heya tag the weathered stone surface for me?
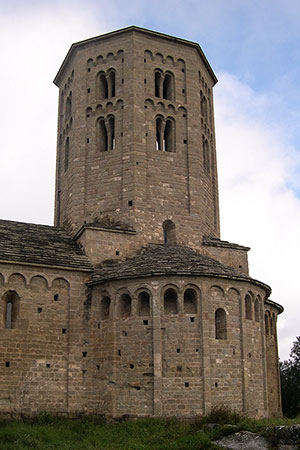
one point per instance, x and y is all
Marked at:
(244, 440)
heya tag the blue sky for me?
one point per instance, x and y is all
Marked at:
(254, 48)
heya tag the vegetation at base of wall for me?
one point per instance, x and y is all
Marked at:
(290, 382)
(47, 432)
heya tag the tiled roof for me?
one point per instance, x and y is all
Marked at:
(215, 242)
(40, 244)
(168, 260)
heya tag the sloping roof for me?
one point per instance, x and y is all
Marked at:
(44, 245)
(169, 260)
(215, 242)
(74, 47)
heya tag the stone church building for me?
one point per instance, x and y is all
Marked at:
(131, 304)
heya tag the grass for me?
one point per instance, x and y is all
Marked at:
(92, 433)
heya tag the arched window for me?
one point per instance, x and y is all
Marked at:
(105, 305)
(165, 134)
(67, 151)
(111, 133)
(256, 310)
(11, 304)
(170, 301)
(168, 90)
(102, 135)
(248, 307)
(190, 301)
(220, 324)
(157, 83)
(169, 231)
(125, 305)
(144, 304)
(271, 326)
(203, 105)
(206, 159)
(159, 133)
(168, 145)
(267, 323)
(112, 83)
(102, 85)
(69, 106)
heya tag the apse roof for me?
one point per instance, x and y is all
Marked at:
(159, 260)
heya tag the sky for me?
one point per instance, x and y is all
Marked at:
(254, 49)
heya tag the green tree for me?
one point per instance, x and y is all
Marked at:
(290, 382)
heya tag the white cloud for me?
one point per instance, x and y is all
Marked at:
(258, 208)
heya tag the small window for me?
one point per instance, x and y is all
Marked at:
(169, 232)
(125, 305)
(102, 85)
(105, 305)
(170, 301)
(190, 301)
(157, 84)
(112, 83)
(67, 153)
(11, 304)
(102, 135)
(248, 307)
(168, 87)
(206, 155)
(256, 310)
(220, 324)
(144, 304)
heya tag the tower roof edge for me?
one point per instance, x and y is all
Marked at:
(74, 47)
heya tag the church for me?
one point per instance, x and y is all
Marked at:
(131, 305)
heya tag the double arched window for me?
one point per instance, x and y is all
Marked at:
(106, 133)
(106, 84)
(164, 85)
(165, 134)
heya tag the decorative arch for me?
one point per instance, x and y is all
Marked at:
(220, 324)
(17, 280)
(38, 283)
(256, 310)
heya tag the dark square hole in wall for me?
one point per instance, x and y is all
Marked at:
(145, 106)
(233, 351)
(145, 81)
(182, 70)
(99, 324)
(179, 369)
(186, 384)
(48, 365)
(249, 355)
(7, 363)
(145, 60)
(87, 115)
(87, 140)
(146, 134)
(131, 366)
(216, 384)
(183, 91)
(117, 252)
(197, 349)
(137, 163)
(184, 141)
(89, 90)
(192, 319)
(122, 80)
(89, 69)
(124, 333)
(84, 354)
(122, 59)
(183, 115)
(84, 371)
(121, 134)
(98, 367)
(119, 352)
(64, 331)
(122, 107)
(145, 322)
(39, 310)
(130, 202)
(178, 350)
(55, 297)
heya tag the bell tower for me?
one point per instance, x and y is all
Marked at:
(136, 138)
